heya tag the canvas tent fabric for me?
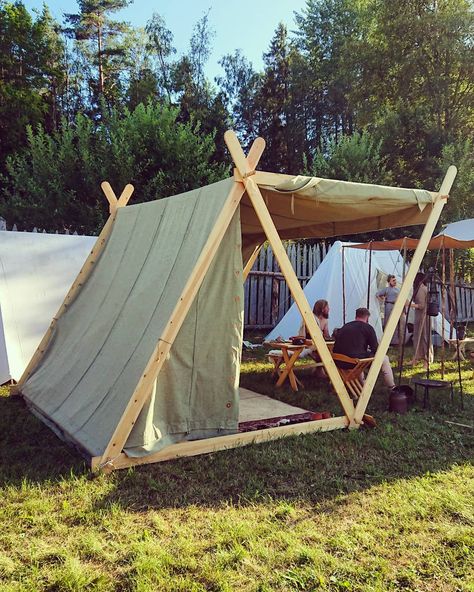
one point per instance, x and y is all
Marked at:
(103, 342)
(326, 283)
(326, 207)
(457, 235)
(36, 271)
(101, 346)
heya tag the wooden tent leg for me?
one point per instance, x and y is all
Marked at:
(403, 294)
(443, 309)
(246, 174)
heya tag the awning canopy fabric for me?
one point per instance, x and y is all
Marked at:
(457, 235)
(319, 208)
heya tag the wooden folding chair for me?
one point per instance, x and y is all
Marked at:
(353, 377)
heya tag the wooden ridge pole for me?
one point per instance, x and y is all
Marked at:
(420, 251)
(246, 174)
(165, 341)
(80, 280)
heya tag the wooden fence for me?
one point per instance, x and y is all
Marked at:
(267, 297)
(464, 299)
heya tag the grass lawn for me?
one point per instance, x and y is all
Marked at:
(391, 508)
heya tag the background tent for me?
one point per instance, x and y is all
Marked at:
(36, 271)
(457, 235)
(326, 283)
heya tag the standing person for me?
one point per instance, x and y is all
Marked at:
(422, 325)
(357, 339)
(388, 295)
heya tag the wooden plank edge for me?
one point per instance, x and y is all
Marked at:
(196, 447)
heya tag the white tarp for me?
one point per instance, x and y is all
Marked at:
(326, 284)
(36, 272)
(462, 231)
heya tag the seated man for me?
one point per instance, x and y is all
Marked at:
(357, 339)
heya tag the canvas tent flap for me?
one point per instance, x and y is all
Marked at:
(389, 245)
(102, 344)
(36, 271)
(196, 395)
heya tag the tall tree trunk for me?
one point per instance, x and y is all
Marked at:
(99, 56)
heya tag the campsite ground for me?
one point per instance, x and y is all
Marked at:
(370, 510)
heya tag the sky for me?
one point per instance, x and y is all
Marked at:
(248, 25)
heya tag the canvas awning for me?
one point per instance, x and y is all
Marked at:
(310, 207)
(457, 235)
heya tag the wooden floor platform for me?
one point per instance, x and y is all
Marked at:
(254, 406)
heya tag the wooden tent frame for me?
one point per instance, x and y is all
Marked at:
(246, 179)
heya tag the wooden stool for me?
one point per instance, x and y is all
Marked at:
(426, 384)
(276, 357)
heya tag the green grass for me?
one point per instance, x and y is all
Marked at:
(369, 510)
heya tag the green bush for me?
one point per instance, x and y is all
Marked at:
(54, 184)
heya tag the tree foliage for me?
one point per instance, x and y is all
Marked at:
(31, 74)
(56, 182)
(373, 90)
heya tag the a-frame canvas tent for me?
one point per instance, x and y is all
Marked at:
(36, 271)
(349, 278)
(141, 362)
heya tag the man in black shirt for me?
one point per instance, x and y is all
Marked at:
(357, 339)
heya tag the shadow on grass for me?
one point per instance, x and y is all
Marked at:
(29, 450)
(312, 468)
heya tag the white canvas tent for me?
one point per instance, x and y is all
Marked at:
(327, 283)
(141, 362)
(36, 271)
